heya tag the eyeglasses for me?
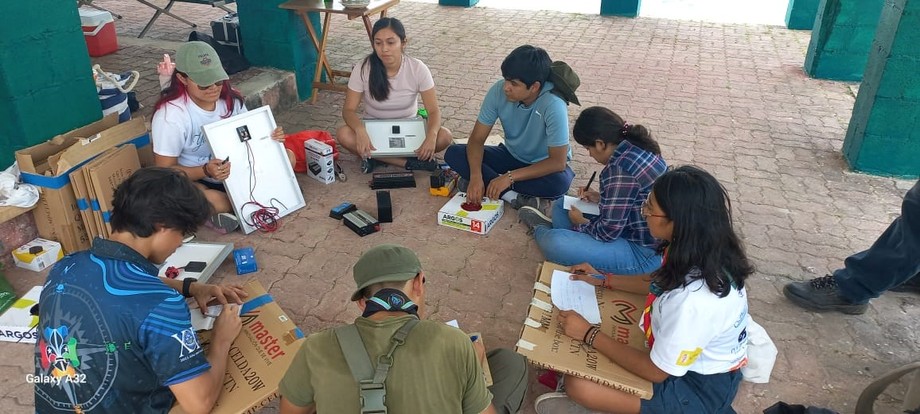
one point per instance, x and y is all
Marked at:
(645, 208)
(204, 88)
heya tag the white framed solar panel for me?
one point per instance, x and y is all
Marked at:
(260, 171)
(395, 137)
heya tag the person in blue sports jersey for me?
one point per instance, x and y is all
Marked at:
(115, 338)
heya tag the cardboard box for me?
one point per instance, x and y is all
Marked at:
(106, 175)
(545, 344)
(17, 324)
(320, 161)
(50, 254)
(49, 164)
(479, 222)
(259, 356)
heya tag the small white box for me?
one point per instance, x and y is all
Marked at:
(479, 222)
(320, 161)
(50, 254)
(17, 323)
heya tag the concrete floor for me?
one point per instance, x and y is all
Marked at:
(730, 98)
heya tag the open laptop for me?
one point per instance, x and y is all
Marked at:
(395, 137)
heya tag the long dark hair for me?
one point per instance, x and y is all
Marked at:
(177, 89)
(703, 238)
(599, 123)
(378, 82)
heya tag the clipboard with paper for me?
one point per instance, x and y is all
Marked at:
(545, 344)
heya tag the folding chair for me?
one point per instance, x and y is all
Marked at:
(166, 10)
(911, 399)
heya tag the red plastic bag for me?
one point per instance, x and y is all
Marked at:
(295, 142)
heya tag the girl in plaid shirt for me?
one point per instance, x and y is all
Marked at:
(617, 240)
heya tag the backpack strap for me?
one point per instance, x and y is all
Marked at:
(371, 382)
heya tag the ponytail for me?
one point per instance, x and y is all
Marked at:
(378, 84)
(599, 123)
(640, 136)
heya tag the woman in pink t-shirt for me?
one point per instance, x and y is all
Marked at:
(389, 83)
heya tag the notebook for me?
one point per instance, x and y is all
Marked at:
(395, 137)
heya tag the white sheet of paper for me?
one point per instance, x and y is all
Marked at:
(453, 323)
(586, 207)
(575, 295)
(202, 322)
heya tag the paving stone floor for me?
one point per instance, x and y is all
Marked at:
(730, 98)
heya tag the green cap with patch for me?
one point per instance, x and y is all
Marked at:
(200, 62)
(385, 263)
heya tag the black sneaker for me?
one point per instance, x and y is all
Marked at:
(532, 218)
(413, 164)
(820, 294)
(912, 285)
(368, 165)
(528, 201)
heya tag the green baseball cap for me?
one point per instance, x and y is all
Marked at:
(200, 62)
(385, 263)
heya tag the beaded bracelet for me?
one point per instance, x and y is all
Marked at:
(590, 341)
(510, 177)
(587, 333)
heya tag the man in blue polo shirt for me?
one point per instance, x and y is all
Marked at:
(533, 161)
(115, 338)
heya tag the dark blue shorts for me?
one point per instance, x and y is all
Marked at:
(694, 393)
(210, 185)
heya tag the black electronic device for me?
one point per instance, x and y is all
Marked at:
(438, 179)
(340, 210)
(195, 267)
(243, 133)
(360, 222)
(392, 180)
(384, 207)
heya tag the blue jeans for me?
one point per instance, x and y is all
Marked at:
(567, 247)
(694, 394)
(892, 260)
(496, 160)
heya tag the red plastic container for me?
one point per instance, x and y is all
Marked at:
(295, 141)
(99, 32)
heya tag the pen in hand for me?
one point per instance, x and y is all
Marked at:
(584, 195)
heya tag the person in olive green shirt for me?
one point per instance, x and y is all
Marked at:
(437, 370)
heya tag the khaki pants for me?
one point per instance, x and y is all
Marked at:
(509, 379)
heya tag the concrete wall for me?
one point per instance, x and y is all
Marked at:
(841, 37)
(46, 84)
(884, 132)
(278, 38)
(801, 14)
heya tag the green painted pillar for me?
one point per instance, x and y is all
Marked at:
(461, 3)
(278, 38)
(841, 38)
(800, 15)
(46, 81)
(884, 132)
(628, 8)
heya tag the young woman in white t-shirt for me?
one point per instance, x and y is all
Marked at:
(695, 318)
(198, 94)
(389, 82)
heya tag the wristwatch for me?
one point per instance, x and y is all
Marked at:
(186, 284)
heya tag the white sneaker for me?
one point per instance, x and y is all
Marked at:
(559, 403)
